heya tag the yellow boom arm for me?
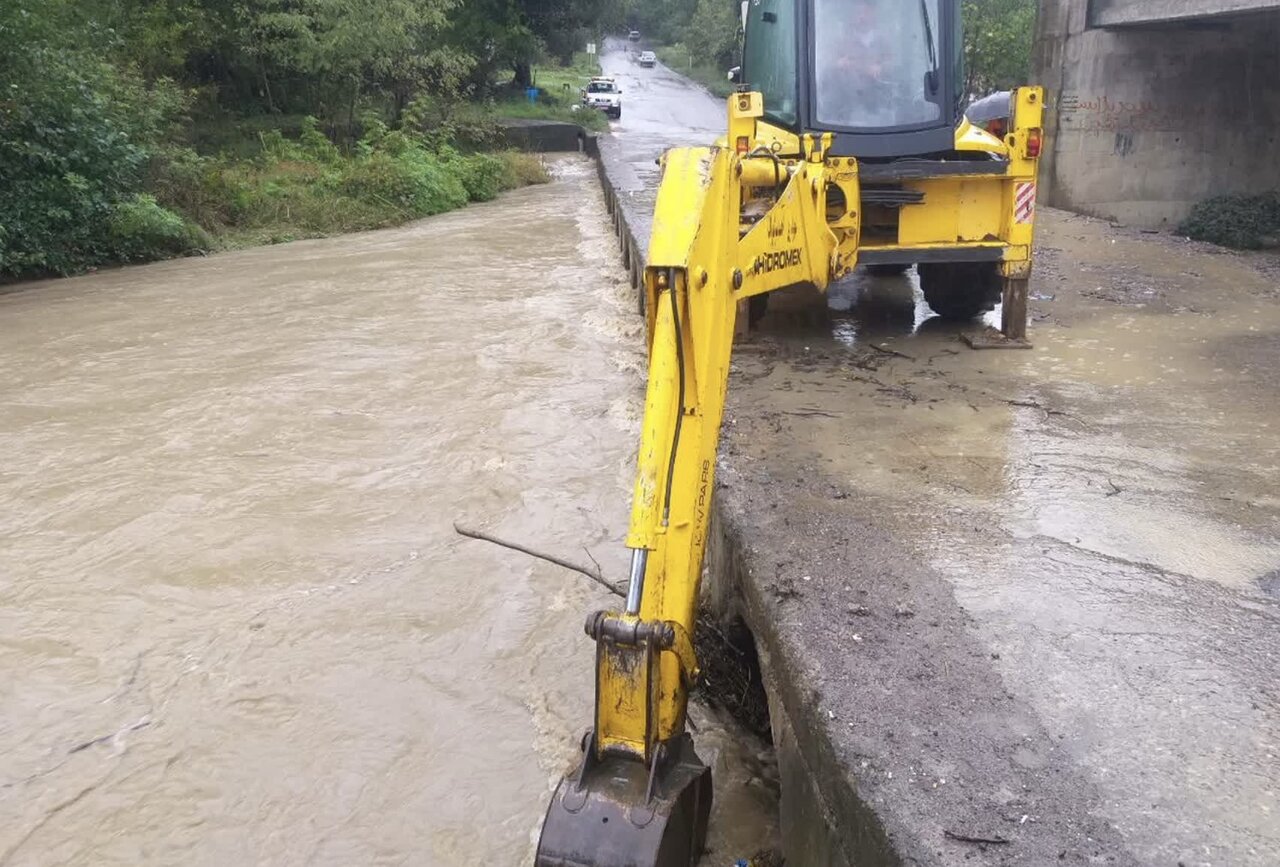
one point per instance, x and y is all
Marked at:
(730, 222)
(700, 267)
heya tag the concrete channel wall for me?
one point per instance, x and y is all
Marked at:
(547, 136)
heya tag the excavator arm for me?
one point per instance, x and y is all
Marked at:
(641, 796)
(731, 222)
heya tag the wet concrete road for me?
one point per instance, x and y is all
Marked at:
(1060, 565)
(1034, 595)
(235, 624)
(660, 110)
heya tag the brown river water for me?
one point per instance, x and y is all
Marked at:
(236, 626)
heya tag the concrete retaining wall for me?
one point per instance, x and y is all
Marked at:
(548, 136)
(1146, 121)
(633, 249)
(1113, 13)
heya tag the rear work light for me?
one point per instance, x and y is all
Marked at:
(1034, 138)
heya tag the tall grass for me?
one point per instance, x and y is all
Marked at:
(308, 188)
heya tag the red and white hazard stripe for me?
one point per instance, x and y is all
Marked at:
(1024, 202)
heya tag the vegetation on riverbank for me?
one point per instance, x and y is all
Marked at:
(310, 188)
(138, 129)
(683, 60)
(1243, 222)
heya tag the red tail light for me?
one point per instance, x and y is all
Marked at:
(1034, 137)
(744, 144)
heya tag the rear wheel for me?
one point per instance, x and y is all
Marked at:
(887, 270)
(960, 290)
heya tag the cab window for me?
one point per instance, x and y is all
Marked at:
(769, 57)
(875, 63)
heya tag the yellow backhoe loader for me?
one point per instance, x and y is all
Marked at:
(846, 145)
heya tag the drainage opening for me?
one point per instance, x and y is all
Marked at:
(731, 678)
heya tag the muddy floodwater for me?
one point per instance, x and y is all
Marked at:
(236, 626)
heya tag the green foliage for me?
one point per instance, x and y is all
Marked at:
(662, 21)
(713, 33)
(997, 44)
(292, 191)
(683, 59)
(126, 124)
(1243, 222)
(76, 136)
(416, 182)
(139, 229)
(482, 175)
(521, 169)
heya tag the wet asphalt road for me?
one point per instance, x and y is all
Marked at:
(1026, 595)
(660, 110)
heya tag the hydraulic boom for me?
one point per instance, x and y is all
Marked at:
(731, 222)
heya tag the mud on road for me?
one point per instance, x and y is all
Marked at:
(1029, 595)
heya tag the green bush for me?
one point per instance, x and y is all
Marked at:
(76, 137)
(199, 188)
(522, 169)
(1243, 222)
(315, 144)
(685, 60)
(482, 175)
(139, 229)
(415, 182)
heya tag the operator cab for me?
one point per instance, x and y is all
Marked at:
(885, 76)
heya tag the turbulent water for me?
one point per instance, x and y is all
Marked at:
(236, 625)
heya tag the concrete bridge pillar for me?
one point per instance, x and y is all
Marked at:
(1171, 102)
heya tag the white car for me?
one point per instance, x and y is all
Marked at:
(603, 94)
(648, 58)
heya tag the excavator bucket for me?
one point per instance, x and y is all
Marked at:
(615, 812)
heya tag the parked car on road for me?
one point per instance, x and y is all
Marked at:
(603, 94)
(648, 58)
(634, 35)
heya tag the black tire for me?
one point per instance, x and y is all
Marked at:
(887, 270)
(960, 290)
